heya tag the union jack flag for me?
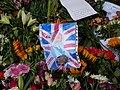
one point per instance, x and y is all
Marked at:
(58, 40)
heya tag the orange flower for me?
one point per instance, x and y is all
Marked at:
(78, 70)
(29, 50)
(98, 20)
(18, 48)
(80, 48)
(84, 65)
(58, 21)
(113, 42)
(37, 47)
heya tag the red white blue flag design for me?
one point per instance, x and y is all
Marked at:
(60, 40)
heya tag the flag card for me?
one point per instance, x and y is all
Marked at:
(60, 44)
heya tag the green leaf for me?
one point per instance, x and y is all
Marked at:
(29, 89)
(28, 82)
(20, 82)
(102, 67)
(119, 85)
(117, 72)
(87, 43)
(114, 80)
(16, 33)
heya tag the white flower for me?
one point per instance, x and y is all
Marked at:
(0, 61)
(47, 76)
(1, 58)
(25, 17)
(14, 88)
(99, 28)
(71, 79)
(6, 40)
(31, 22)
(3, 83)
(4, 64)
(35, 28)
(1, 36)
(95, 0)
(99, 77)
(98, 0)
(5, 19)
(50, 81)
(54, 83)
(6, 74)
(87, 73)
(76, 81)
(118, 22)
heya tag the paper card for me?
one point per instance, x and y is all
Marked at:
(60, 44)
(104, 45)
(111, 9)
(78, 9)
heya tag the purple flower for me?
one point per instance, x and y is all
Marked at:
(17, 3)
(12, 65)
(67, 89)
(43, 65)
(26, 1)
(79, 39)
(43, 83)
(55, 79)
(33, 87)
(82, 88)
(20, 3)
(42, 74)
(15, 72)
(108, 85)
(24, 68)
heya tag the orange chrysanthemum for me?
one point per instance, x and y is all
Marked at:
(113, 42)
(19, 50)
(86, 54)
(78, 70)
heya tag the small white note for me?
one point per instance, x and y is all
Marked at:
(78, 9)
(111, 9)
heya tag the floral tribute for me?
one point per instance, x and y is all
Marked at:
(22, 60)
(102, 53)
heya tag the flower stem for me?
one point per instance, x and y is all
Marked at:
(48, 12)
(92, 86)
(86, 85)
(97, 86)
